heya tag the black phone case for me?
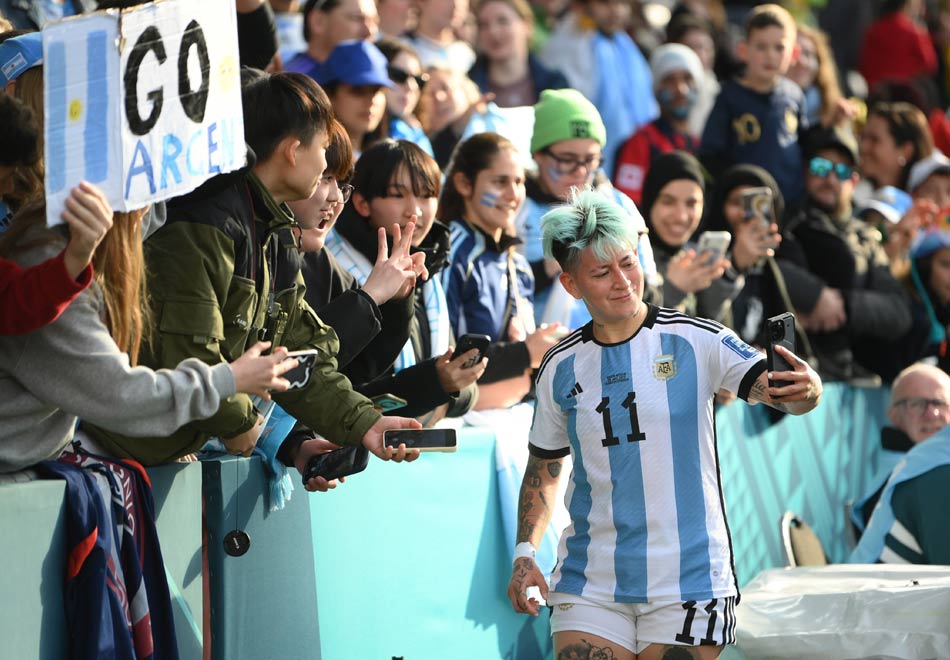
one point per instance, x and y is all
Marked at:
(467, 343)
(780, 331)
(337, 463)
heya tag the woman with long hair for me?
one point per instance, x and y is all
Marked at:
(489, 286)
(83, 366)
(895, 137)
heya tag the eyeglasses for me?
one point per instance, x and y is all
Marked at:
(822, 167)
(401, 76)
(920, 405)
(570, 164)
(346, 191)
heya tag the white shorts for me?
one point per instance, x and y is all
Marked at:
(635, 626)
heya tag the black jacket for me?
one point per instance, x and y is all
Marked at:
(846, 254)
(419, 384)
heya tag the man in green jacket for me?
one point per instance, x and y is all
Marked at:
(224, 272)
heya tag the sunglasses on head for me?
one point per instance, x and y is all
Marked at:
(823, 167)
(401, 77)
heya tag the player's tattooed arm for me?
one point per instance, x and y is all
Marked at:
(538, 490)
(800, 393)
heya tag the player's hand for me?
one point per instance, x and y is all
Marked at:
(805, 384)
(524, 574)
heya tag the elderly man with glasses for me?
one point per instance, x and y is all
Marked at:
(905, 517)
(851, 304)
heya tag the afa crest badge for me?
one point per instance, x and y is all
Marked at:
(664, 367)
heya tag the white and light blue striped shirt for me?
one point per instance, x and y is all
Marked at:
(648, 520)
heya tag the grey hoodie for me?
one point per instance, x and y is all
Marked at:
(73, 369)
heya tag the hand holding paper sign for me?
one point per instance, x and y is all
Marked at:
(89, 217)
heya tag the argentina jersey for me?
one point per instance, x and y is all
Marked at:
(645, 501)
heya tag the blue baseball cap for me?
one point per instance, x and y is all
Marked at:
(18, 54)
(893, 203)
(356, 62)
(928, 242)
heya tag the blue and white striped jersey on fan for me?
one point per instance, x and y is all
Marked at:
(648, 521)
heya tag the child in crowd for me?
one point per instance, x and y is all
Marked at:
(435, 37)
(396, 189)
(758, 117)
(488, 284)
(567, 145)
(677, 74)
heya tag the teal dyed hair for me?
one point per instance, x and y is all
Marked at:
(588, 220)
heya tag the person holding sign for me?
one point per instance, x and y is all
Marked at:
(33, 297)
(646, 564)
(227, 274)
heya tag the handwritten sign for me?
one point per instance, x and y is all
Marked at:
(146, 105)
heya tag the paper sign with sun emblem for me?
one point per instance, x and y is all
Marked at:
(145, 103)
(664, 367)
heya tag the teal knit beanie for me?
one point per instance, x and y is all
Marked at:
(565, 114)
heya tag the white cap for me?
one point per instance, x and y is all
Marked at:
(935, 163)
(675, 57)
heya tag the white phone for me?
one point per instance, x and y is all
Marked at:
(713, 244)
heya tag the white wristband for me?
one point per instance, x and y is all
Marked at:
(524, 549)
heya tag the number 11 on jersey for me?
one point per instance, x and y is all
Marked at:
(629, 403)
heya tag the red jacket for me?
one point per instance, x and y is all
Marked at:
(33, 297)
(896, 48)
(634, 158)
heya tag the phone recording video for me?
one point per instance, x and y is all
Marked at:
(337, 463)
(757, 203)
(422, 439)
(469, 341)
(712, 246)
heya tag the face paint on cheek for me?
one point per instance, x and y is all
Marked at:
(553, 174)
(488, 199)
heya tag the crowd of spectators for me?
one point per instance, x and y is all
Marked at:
(374, 226)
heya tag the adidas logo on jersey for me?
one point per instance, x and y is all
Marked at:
(577, 389)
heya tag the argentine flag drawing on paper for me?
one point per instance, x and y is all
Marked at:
(147, 107)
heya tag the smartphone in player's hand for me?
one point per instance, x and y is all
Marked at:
(421, 439)
(468, 342)
(780, 331)
(337, 463)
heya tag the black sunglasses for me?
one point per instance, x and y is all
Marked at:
(401, 76)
